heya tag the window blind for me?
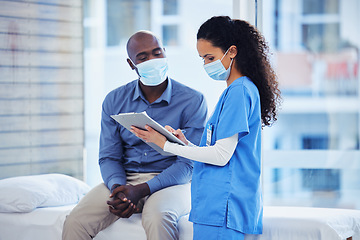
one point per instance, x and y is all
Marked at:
(41, 87)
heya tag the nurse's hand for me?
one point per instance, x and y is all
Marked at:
(149, 135)
(177, 133)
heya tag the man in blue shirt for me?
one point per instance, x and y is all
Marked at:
(138, 178)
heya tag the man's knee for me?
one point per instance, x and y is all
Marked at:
(71, 222)
(160, 219)
(74, 228)
(89, 216)
(162, 225)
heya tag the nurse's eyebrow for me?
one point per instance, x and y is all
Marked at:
(205, 55)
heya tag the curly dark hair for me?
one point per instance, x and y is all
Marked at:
(251, 59)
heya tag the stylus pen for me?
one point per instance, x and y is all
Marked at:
(183, 131)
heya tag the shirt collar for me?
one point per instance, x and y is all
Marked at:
(166, 96)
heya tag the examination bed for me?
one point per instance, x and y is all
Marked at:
(44, 217)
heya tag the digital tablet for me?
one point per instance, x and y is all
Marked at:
(139, 120)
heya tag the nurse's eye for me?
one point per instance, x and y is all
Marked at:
(210, 59)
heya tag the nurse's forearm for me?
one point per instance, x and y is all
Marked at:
(218, 154)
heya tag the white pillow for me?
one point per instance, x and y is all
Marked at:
(25, 193)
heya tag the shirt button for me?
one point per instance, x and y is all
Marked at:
(145, 154)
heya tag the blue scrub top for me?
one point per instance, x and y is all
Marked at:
(232, 193)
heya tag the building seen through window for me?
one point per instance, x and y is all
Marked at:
(124, 17)
(316, 53)
(170, 7)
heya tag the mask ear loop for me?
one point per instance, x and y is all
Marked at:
(135, 67)
(225, 55)
(231, 62)
(132, 62)
(222, 56)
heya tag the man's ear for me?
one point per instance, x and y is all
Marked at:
(130, 63)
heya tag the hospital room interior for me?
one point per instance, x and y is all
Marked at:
(60, 58)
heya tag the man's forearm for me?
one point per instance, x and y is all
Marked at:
(112, 172)
(178, 173)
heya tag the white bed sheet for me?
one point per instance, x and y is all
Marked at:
(299, 223)
(280, 223)
(40, 224)
(47, 223)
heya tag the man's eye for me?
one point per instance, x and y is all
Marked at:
(211, 58)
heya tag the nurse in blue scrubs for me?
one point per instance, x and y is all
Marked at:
(226, 193)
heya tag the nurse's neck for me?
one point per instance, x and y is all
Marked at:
(234, 74)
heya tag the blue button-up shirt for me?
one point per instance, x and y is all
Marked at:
(121, 151)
